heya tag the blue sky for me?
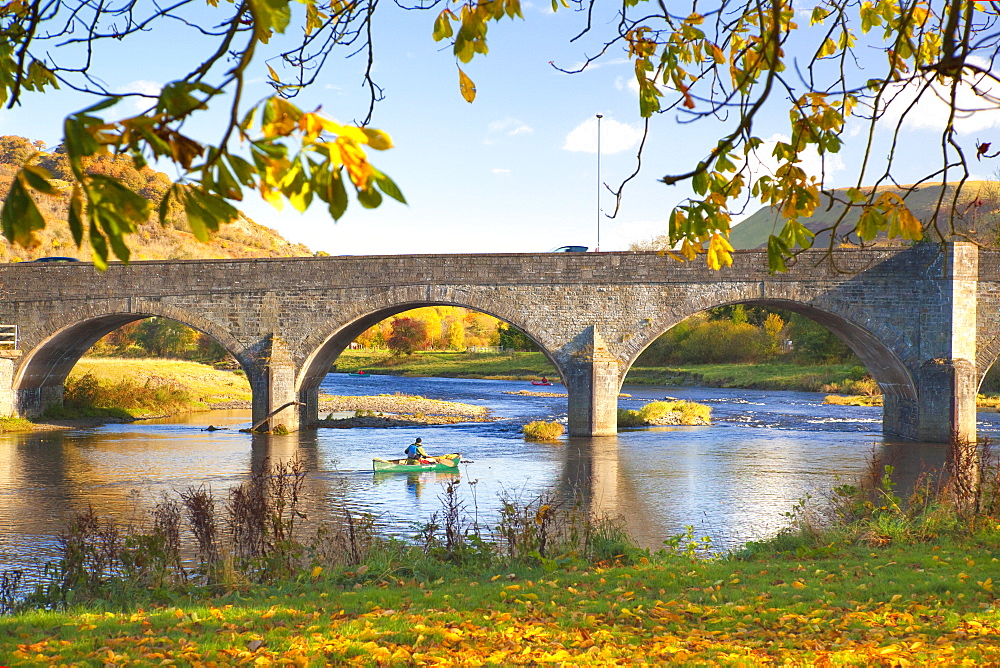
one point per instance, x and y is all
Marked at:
(516, 171)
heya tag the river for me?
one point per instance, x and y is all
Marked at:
(732, 482)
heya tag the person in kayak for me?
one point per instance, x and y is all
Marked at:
(415, 452)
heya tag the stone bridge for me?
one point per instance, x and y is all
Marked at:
(925, 320)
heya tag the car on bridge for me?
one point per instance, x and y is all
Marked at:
(56, 259)
(569, 249)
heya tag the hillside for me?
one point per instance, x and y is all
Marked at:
(980, 222)
(241, 239)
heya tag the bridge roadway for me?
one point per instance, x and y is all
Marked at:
(925, 320)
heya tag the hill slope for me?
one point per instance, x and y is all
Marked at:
(979, 222)
(241, 239)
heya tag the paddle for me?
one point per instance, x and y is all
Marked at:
(447, 461)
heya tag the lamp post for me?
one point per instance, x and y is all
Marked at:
(599, 117)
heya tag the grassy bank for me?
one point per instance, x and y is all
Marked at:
(892, 587)
(102, 387)
(10, 424)
(854, 607)
(531, 366)
(825, 378)
(494, 366)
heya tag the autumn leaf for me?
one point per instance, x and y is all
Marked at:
(719, 252)
(466, 86)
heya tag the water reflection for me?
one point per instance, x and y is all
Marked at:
(731, 489)
(733, 481)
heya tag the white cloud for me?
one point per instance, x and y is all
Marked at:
(630, 83)
(152, 88)
(977, 102)
(500, 171)
(506, 127)
(615, 136)
(582, 65)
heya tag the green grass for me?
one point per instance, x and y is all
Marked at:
(8, 424)
(495, 366)
(774, 376)
(853, 605)
(532, 366)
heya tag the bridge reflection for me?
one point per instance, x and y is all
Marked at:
(746, 491)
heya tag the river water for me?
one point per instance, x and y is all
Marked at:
(733, 481)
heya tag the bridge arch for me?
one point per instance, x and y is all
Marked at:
(876, 349)
(986, 357)
(55, 346)
(329, 339)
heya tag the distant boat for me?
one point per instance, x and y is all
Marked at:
(540, 382)
(359, 374)
(439, 463)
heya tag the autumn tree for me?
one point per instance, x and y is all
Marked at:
(511, 338)
(726, 64)
(408, 336)
(455, 335)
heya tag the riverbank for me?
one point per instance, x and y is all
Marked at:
(830, 378)
(100, 390)
(930, 602)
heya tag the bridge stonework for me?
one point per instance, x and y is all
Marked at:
(925, 320)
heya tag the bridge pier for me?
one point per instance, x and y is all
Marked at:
(272, 381)
(7, 403)
(947, 388)
(591, 374)
(944, 375)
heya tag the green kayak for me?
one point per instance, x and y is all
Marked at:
(439, 463)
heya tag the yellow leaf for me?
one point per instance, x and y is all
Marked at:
(798, 584)
(466, 86)
(378, 139)
(352, 157)
(909, 226)
(719, 252)
(316, 571)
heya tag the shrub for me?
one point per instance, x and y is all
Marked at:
(656, 410)
(686, 412)
(539, 430)
(691, 412)
(629, 418)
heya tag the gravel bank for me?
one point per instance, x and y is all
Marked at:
(398, 410)
(401, 403)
